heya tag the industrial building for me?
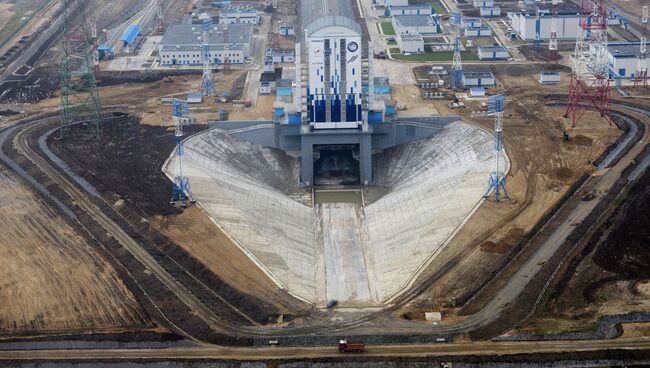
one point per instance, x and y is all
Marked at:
(412, 43)
(490, 11)
(393, 2)
(479, 31)
(424, 9)
(524, 24)
(623, 58)
(471, 22)
(130, 38)
(492, 53)
(244, 14)
(182, 44)
(415, 24)
(479, 79)
(334, 89)
(481, 3)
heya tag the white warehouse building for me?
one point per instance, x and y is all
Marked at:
(393, 2)
(412, 24)
(239, 15)
(623, 58)
(524, 24)
(182, 44)
(410, 43)
(335, 86)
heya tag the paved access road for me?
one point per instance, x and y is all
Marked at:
(268, 353)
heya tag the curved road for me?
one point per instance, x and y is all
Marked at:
(516, 285)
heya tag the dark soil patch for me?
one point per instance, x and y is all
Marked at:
(237, 87)
(582, 140)
(8, 113)
(561, 173)
(626, 250)
(126, 165)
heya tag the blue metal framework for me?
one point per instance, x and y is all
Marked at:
(181, 189)
(537, 43)
(497, 181)
(457, 65)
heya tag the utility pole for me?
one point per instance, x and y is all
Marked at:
(457, 64)
(641, 75)
(207, 82)
(181, 188)
(537, 43)
(226, 49)
(497, 181)
(553, 54)
(79, 95)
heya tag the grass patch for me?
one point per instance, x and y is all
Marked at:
(13, 25)
(387, 28)
(431, 56)
(438, 6)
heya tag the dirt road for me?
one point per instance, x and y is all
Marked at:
(273, 353)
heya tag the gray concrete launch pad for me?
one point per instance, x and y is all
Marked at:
(360, 255)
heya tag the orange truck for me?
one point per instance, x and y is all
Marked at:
(351, 347)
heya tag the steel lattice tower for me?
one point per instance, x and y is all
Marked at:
(79, 95)
(497, 181)
(589, 77)
(207, 83)
(644, 16)
(226, 47)
(641, 75)
(553, 55)
(457, 64)
(181, 188)
(537, 43)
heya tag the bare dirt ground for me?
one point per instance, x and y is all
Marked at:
(608, 275)
(195, 233)
(543, 167)
(51, 280)
(409, 96)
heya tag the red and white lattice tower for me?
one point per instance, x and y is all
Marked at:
(553, 55)
(641, 75)
(589, 77)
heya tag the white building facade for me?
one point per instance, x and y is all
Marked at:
(335, 75)
(412, 43)
(393, 2)
(623, 58)
(411, 24)
(239, 15)
(524, 24)
(182, 45)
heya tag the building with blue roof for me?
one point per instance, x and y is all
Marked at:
(130, 37)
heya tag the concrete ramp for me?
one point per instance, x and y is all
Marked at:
(345, 252)
(341, 251)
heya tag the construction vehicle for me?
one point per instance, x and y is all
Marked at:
(380, 55)
(351, 347)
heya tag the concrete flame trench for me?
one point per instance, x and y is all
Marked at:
(359, 254)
